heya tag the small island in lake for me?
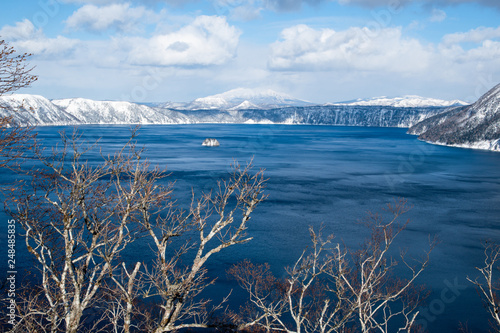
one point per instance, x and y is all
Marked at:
(211, 142)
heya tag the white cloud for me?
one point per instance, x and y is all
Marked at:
(277, 5)
(302, 48)
(121, 17)
(317, 64)
(289, 5)
(94, 2)
(251, 9)
(356, 61)
(308, 49)
(208, 40)
(416, 25)
(144, 2)
(490, 3)
(380, 3)
(26, 38)
(246, 10)
(21, 31)
(484, 55)
(437, 15)
(240, 10)
(375, 3)
(246, 13)
(477, 35)
(488, 51)
(59, 47)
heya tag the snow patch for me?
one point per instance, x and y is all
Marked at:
(491, 145)
(405, 101)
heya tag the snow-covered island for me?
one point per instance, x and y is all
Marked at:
(211, 142)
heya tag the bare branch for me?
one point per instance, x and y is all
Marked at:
(487, 285)
(326, 292)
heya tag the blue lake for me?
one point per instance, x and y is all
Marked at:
(333, 176)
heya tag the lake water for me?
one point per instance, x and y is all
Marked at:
(333, 176)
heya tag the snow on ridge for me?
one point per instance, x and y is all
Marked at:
(476, 126)
(104, 112)
(405, 101)
(249, 94)
(254, 98)
(35, 110)
(210, 102)
(245, 106)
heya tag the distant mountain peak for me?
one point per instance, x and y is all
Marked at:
(403, 101)
(240, 98)
(245, 106)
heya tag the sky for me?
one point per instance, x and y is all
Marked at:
(316, 50)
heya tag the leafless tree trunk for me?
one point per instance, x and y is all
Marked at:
(220, 219)
(487, 285)
(16, 141)
(325, 291)
(120, 307)
(78, 220)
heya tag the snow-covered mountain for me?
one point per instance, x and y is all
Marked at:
(405, 101)
(109, 112)
(34, 110)
(84, 111)
(243, 98)
(474, 126)
(246, 105)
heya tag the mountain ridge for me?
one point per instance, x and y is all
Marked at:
(245, 98)
(403, 101)
(37, 110)
(474, 126)
(75, 111)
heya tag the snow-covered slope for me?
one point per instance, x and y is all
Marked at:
(380, 116)
(246, 105)
(242, 97)
(105, 112)
(84, 111)
(405, 101)
(34, 110)
(210, 102)
(37, 110)
(474, 126)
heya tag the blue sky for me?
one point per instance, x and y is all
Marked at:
(317, 50)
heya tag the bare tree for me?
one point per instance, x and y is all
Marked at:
(80, 218)
(330, 289)
(214, 219)
(220, 219)
(488, 286)
(15, 139)
(77, 221)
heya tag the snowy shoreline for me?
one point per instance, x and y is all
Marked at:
(493, 145)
